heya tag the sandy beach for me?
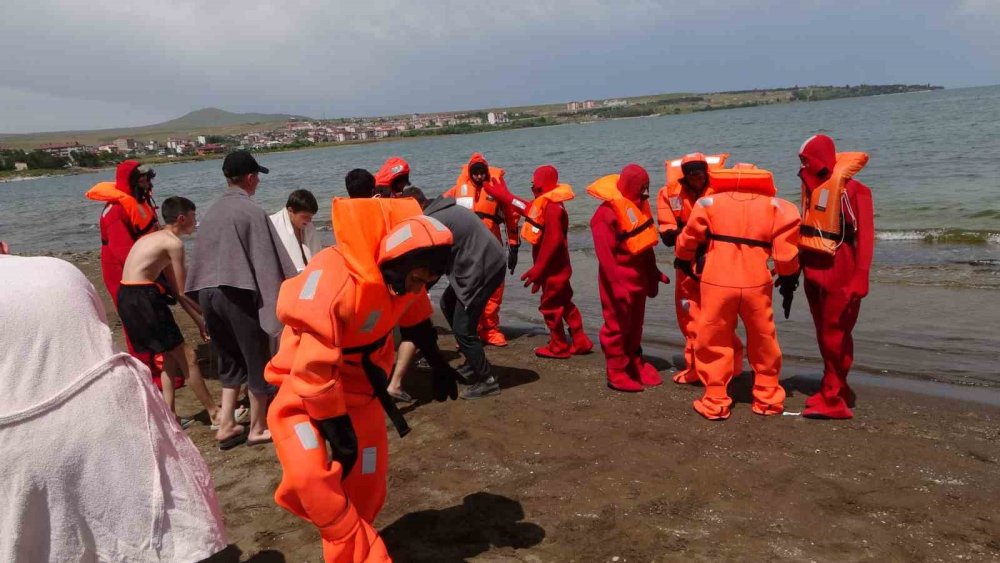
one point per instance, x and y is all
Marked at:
(559, 468)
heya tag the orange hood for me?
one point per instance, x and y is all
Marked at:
(359, 225)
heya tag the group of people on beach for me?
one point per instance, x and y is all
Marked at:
(309, 331)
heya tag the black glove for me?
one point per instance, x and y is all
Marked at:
(686, 267)
(786, 287)
(339, 432)
(669, 238)
(512, 256)
(444, 378)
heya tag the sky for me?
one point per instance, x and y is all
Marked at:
(68, 65)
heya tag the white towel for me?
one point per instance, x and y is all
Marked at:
(95, 467)
(310, 241)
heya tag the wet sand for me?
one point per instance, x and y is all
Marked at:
(559, 468)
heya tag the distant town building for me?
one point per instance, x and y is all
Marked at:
(126, 144)
(202, 140)
(64, 150)
(109, 148)
(20, 166)
(615, 103)
(212, 148)
(497, 117)
(574, 106)
(153, 145)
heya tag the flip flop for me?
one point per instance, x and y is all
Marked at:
(252, 443)
(402, 396)
(185, 422)
(233, 441)
(241, 415)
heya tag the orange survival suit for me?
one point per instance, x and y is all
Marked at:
(472, 196)
(330, 369)
(743, 224)
(673, 209)
(624, 237)
(546, 225)
(124, 220)
(392, 177)
(837, 242)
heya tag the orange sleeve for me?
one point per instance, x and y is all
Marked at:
(785, 237)
(315, 377)
(418, 311)
(695, 232)
(450, 192)
(512, 221)
(664, 214)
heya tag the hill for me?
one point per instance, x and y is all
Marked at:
(207, 121)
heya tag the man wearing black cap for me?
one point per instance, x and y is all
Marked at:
(239, 264)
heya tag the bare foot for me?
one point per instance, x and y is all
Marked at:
(262, 438)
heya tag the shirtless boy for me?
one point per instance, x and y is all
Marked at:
(143, 301)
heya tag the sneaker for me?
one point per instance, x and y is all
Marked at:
(482, 389)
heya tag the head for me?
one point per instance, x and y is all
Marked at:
(301, 207)
(417, 194)
(633, 183)
(360, 184)
(140, 182)
(180, 214)
(817, 157)
(545, 179)
(394, 176)
(415, 254)
(479, 170)
(242, 170)
(694, 168)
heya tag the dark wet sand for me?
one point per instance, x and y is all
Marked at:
(559, 468)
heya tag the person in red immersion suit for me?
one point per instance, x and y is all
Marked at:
(674, 205)
(546, 226)
(836, 283)
(624, 237)
(328, 417)
(744, 225)
(469, 193)
(129, 213)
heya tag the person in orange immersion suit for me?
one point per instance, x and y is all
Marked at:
(673, 209)
(546, 226)
(624, 237)
(392, 177)
(743, 224)
(469, 193)
(330, 369)
(836, 280)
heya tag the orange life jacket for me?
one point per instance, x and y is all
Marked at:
(534, 217)
(141, 216)
(743, 177)
(822, 228)
(469, 196)
(635, 224)
(672, 207)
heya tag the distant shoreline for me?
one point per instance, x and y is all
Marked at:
(583, 118)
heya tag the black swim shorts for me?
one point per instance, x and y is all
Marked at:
(147, 319)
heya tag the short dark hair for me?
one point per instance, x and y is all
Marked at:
(174, 207)
(417, 194)
(360, 183)
(302, 200)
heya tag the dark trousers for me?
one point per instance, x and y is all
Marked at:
(464, 322)
(244, 348)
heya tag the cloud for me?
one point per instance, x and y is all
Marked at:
(344, 58)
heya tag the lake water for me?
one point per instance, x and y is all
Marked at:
(934, 173)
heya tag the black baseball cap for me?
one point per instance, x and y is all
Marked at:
(239, 163)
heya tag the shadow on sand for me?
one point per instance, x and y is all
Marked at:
(232, 554)
(454, 534)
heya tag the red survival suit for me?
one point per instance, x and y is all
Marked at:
(338, 316)
(673, 209)
(624, 237)
(123, 221)
(743, 225)
(493, 214)
(836, 273)
(546, 225)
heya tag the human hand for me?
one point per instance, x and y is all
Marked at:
(512, 256)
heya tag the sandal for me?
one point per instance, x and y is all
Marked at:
(233, 441)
